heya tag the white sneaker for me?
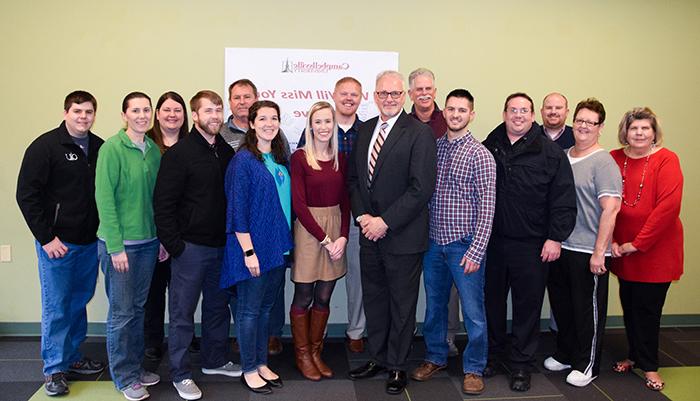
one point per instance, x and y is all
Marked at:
(135, 392)
(149, 378)
(553, 365)
(579, 379)
(188, 390)
(229, 369)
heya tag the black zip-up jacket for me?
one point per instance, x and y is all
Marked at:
(56, 188)
(535, 193)
(189, 200)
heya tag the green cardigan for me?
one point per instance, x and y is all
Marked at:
(124, 183)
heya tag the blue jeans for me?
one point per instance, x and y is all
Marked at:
(277, 314)
(256, 296)
(127, 293)
(67, 285)
(440, 269)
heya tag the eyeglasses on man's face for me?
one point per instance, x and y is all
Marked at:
(384, 94)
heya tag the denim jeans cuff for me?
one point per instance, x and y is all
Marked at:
(437, 363)
(480, 374)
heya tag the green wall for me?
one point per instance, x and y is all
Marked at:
(626, 53)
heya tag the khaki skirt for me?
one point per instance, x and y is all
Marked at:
(311, 260)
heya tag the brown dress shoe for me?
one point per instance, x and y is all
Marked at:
(426, 371)
(472, 384)
(355, 346)
(274, 346)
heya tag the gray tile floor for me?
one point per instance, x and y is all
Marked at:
(20, 374)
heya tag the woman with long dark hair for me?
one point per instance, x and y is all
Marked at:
(258, 221)
(169, 126)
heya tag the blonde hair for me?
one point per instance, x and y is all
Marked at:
(309, 137)
(640, 113)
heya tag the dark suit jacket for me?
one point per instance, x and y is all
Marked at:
(403, 183)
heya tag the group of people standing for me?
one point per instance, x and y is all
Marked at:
(222, 210)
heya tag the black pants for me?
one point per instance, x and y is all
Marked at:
(642, 304)
(154, 331)
(579, 300)
(390, 285)
(516, 266)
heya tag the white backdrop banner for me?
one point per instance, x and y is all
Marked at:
(297, 78)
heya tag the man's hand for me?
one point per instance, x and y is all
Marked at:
(55, 249)
(120, 262)
(469, 266)
(373, 228)
(550, 251)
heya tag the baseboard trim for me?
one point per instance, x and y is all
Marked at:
(334, 329)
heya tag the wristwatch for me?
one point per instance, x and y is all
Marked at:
(326, 241)
(359, 218)
(249, 252)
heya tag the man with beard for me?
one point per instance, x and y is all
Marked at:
(461, 213)
(391, 178)
(535, 212)
(555, 109)
(190, 215)
(422, 90)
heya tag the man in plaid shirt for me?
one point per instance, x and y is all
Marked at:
(461, 214)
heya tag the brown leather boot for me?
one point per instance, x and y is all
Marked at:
(318, 328)
(302, 346)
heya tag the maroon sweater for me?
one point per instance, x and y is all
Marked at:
(319, 188)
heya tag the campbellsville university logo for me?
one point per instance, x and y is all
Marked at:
(312, 67)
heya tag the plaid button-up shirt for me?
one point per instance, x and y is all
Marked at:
(465, 194)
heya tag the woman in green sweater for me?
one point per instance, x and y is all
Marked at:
(126, 174)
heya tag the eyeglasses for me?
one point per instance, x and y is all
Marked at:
(394, 94)
(523, 110)
(585, 122)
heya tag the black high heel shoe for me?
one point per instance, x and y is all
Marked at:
(265, 389)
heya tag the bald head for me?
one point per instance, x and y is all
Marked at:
(555, 109)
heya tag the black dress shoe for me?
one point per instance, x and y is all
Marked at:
(153, 353)
(277, 383)
(396, 382)
(370, 369)
(519, 380)
(258, 390)
(491, 369)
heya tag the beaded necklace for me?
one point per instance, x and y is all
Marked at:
(641, 183)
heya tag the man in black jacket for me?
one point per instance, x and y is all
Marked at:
(190, 214)
(56, 194)
(535, 211)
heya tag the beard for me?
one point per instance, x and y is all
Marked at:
(208, 129)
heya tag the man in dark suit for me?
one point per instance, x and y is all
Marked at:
(391, 178)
